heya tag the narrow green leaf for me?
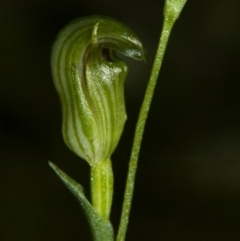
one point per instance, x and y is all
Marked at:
(101, 229)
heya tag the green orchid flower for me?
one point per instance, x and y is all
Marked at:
(89, 78)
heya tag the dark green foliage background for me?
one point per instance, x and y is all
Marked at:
(188, 182)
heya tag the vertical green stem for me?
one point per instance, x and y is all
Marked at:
(139, 133)
(102, 187)
(172, 10)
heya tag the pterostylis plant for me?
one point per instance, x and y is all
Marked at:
(89, 78)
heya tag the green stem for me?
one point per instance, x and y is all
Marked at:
(170, 15)
(102, 187)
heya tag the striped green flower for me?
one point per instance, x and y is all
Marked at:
(89, 78)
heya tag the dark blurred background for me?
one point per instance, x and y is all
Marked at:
(188, 181)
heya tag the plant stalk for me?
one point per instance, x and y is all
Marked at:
(170, 15)
(102, 188)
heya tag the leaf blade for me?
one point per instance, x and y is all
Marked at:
(101, 229)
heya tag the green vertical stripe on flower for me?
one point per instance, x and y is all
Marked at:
(90, 81)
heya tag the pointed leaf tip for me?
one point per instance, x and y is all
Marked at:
(101, 229)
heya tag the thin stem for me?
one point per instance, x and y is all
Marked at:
(102, 187)
(167, 26)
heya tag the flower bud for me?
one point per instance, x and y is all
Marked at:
(89, 78)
